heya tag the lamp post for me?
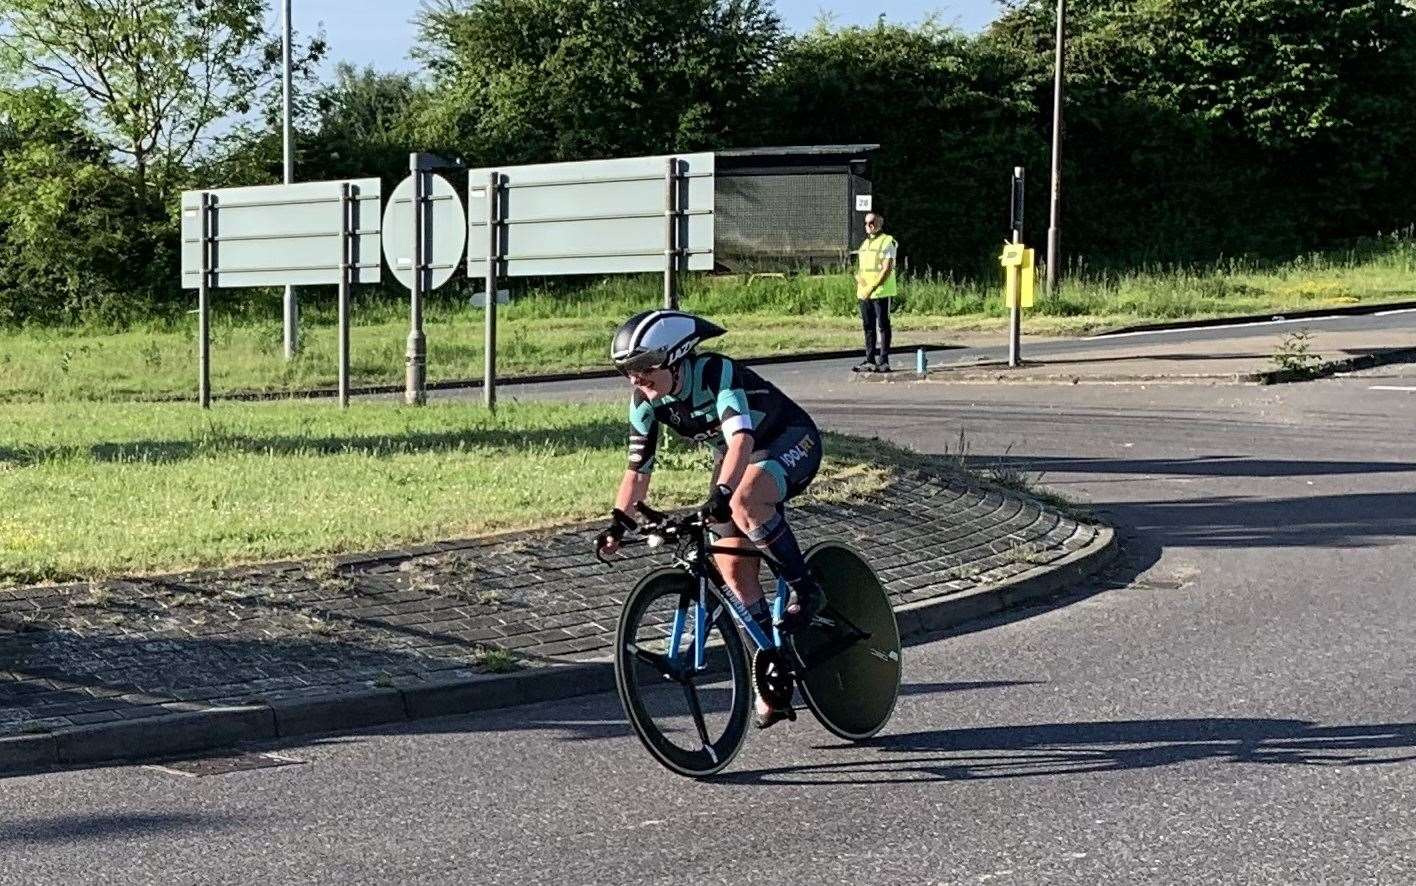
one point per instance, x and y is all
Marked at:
(291, 310)
(1054, 229)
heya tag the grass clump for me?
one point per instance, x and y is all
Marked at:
(1295, 354)
(496, 661)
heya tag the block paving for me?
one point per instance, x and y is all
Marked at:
(98, 652)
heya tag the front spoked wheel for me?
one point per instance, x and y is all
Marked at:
(693, 721)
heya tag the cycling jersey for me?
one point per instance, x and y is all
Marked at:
(716, 398)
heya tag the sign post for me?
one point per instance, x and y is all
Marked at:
(427, 214)
(1054, 230)
(415, 377)
(633, 215)
(670, 223)
(291, 310)
(346, 204)
(489, 359)
(1015, 314)
(204, 308)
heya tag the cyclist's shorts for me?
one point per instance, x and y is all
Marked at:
(792, 459)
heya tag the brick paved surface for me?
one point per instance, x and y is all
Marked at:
(116, 650)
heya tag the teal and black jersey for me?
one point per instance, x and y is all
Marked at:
(717, 398)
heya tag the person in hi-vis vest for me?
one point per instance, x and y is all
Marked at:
(875, 286)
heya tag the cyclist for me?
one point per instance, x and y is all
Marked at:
(766, 451)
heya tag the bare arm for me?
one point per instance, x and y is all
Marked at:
(736, 460)
(633, 487)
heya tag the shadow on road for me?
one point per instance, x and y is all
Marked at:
(1075, 748)
(1357, 519)
(70, 830)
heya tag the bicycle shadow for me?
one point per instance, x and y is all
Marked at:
(1005, 752)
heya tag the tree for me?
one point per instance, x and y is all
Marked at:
(950, 116)
(1235, 126)
(63, 233)
(153, 75)
(361, 125)
(545, 80)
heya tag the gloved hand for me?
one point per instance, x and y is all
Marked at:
(608, 542)
(719, 506)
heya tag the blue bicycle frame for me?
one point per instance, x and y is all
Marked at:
(702, 618)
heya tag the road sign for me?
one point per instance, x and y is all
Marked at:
(444, 232)
(594, 217)
(273, 235)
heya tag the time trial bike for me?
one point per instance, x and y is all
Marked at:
(684, 673)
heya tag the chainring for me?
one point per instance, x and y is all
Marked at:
(772, 678)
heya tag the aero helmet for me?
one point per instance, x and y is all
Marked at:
(659, 339)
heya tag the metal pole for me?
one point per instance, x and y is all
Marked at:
(292, 310)
(670, 222)
(1015, 310)
(489, 371)
(414, 393)
(346, 225)
(204, 310)
(1054, 229)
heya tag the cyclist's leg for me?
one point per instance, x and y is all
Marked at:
(757, 501)
(739, 573)
(778, 473)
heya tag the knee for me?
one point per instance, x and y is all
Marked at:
(748, 513)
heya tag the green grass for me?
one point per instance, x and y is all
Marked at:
(567, 326)
(103, 489)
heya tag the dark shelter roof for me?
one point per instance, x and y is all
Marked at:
(791, 155)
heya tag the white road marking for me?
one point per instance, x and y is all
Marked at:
(1392, 388)
(1276, 322)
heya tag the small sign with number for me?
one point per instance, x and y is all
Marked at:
(862, 202)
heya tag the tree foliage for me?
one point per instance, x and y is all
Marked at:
(542, 80)
(135, 90)
(360, 126)
(154, 75)
(949, 116)
(1193, 130)
(1234, 126)
(65, 240)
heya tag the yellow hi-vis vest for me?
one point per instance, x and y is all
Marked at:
(871, 259)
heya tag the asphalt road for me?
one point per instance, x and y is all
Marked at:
(1234, 704)
(1392, 327)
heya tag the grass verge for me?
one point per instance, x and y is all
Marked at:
(560, 328)
(96, 490)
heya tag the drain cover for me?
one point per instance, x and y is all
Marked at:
(222, 764)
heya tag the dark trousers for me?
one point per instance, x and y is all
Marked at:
(875, 312)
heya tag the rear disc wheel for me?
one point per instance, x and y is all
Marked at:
(850, 666)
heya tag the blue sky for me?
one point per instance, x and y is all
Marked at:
(380, 32)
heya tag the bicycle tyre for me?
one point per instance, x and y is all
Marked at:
(851, 692)
(640, 629)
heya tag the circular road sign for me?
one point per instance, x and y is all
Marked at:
(444, 226)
